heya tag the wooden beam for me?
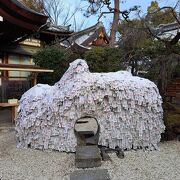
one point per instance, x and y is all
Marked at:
(19, 22)
(26, 70)
(23, 67)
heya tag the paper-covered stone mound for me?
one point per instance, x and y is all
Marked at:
(127, 108)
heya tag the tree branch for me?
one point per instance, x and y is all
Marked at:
(103, 14)
(175, 39)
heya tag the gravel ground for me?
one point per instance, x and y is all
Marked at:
(28, 164)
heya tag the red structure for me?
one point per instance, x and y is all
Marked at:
(173, 89)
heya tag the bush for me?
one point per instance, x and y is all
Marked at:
(104, 59)
(52, 58)
(99, 59)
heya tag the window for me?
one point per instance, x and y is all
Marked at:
(19, 59)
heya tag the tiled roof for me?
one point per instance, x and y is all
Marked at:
(82, 38)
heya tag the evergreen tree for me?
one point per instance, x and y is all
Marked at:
(158, 16)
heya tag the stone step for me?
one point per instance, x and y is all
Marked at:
(97, 174)
(87, 156)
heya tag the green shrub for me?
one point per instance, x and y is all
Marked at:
(52, 58)
(99, 59)
(104, 59)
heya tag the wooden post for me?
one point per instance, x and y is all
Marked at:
(34, 79)
(14, 113)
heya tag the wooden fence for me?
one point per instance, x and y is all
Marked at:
(173, 88)
(13, 89)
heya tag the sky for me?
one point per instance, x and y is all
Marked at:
(123, 6)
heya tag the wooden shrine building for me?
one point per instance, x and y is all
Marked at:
(22, 33)
(84, 40)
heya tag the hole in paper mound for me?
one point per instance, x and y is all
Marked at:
(81, 122)
(87, 130)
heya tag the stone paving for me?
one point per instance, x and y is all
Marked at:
(87, 157)
(98, 174)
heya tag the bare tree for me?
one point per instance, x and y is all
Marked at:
(36, 5)
(97, 6)
(59, 13)
(53, 9)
